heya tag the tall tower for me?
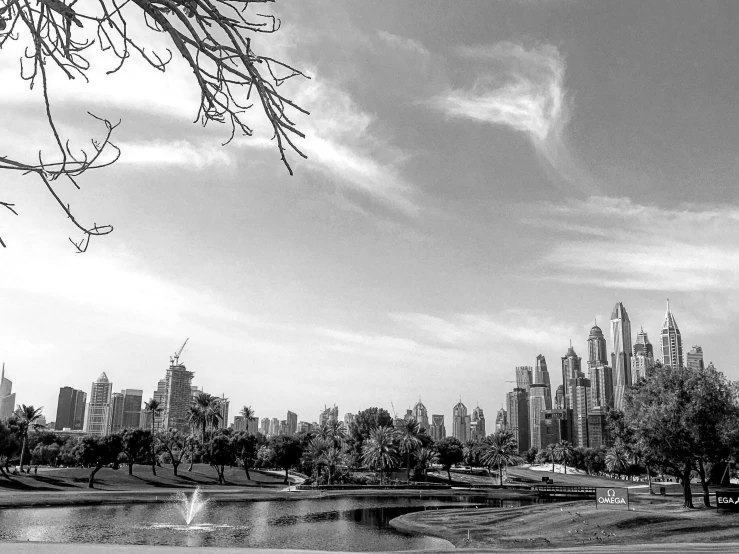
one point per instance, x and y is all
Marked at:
(541, 377)
(99, 412)
(478, 424)
(695, 358)
(523, 377)
(597, 350)
(177, 394)
(7, 398)
(420, 414)
(518, 418)
(643, 359)
(571, 369)
(621, 355)
(672, 342)
(460, 422)
(538, 396)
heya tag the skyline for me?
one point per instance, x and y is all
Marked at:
(472, 197)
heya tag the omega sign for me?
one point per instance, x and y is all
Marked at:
(615, 498)
(727, 501)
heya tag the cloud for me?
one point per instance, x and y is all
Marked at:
(178, 153)
(395, 41)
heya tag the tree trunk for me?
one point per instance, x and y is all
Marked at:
(130, 467)
(287, 481)
(91, 482)
(687, 493)
(23, 450)
(153, 454)
(246, 469)
(704, 484)
(449, 474)
(500, 475)
(175, 465)
(649, 478)
(408, 465)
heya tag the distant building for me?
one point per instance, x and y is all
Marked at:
(274, 427)
(177, 396)
(553, 427)
(264, 426)
(7, 396)
(437, 431)
(559, 398)
(571, 369)
(292, 423)
(99, 412)
(524, 377)
(541, 377)
(643, 359)
(348, 419)
(671, 341)
(537, 405)
(579, 396)
(421, 414)
(328, 414)
(597, 349)
(460, 422)
(304, 427)
(116, 410)
(599, 433)
(518, 418)
(621, 354)
(477, 425)
(240, 423)
(223, 404)
(70, 409)
(132, 402)
(501, 420)
(695, 359)
(601, 382)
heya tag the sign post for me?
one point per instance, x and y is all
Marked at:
(614, 498)
(727, 501)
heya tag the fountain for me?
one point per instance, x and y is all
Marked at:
(190, 507)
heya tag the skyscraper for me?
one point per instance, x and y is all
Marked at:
(695, 358)
(537, 405)
(99, 412)
(523, 377)
(292, 423)
(437, 429)
(478, 420)
(132, 401)
(264, 426)
(328, 414)
(672, 342)
(579, 396)
(541, 377)
(115, 421)
(621, 355)
(70, 409)
(7, 397)
(460, 422)
(420, 414)
(501, 420)
(601, 383)
(643, 359)
(571, 369)
(518, 418)
(597, 350)
(177, 396)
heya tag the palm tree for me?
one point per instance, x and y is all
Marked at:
(339, 432)
(552, 455)
(153, 407)
(617, 459)
(28, 417)
(563, 451)
(313, 455)
(408, 434)
(208, 408)
(425, 457)
(324, 432)
(379, 452)
(331, 458)
(500, 449)
(248, 414)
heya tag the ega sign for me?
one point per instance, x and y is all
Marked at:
(615, 498)
(727, 501)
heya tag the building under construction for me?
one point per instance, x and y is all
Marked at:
(176, 396)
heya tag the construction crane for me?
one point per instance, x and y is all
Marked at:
(175, 360)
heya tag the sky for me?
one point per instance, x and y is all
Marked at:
(484, 181)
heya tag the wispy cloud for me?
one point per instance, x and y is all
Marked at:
(405, 43)
(178, 153)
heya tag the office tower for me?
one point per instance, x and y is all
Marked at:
(177, 396)
(283, 427)
(328, 414)
(115, 422)
(264, 426)
(695, 358)
(420, 414)
(408, 415)
(99, 411)
(160, 396)
(621, 354)
(553, 427)
(518, 418)
(559, 398)
(70, 409)
(597, 350)
(132, 401)
(292, 423)
(348, 419)
(601, 383)
(274, 426)
(7, 397)
(240, 423)
(579, 396)
(541, 377)
(501, 420)
(571, 369)
(537, 405)
(303, 427)
(643, 359)
(478, 420)
(523, 377)
(460, 422)
(672, 342)
(437, 430)
(599, 433)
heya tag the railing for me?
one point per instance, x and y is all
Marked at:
(415, 486)
(563, 490)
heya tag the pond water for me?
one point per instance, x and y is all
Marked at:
(347, 523)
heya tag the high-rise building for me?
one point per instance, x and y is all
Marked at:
(643, 359)
(537, 405)
(695, 359)
(7, 397)
(478, 420)
(559, 398)
(541, 377)
(553, 427)
(70, 409)
(420, 414)
(523, 377)
(99, 411)
(672, 342)
(437, 431)
(571, 369)
(597, 350)
(292, 423)
(599, 433)
(264, 426)
(621, 354)
(115, 422)
(303, 427)
(328, 414)
(132, 401)
(501, 420)
(601, 383)
(274, 427)
(518, 418)
(579, 396)
(177, 396)
(460, 422)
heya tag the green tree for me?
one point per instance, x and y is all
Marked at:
(154, 408)
(363, 424)
(313, 455)
(408, 435)
(220, 453)
(45, 454)
(245, 449)
(563, 452)
(9, 443)
(97, 452)
(379, 452)
(617, 459)
(136, 443)
(501, 450)
(28, 417)
(332, 458)
(175, 443)
(425, 457)
(286, 453)
(450, 453)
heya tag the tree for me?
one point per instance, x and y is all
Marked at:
(501, 449)
(9, 443)
(135, 443)
(220, 453)
(154, 409)
(208, 410)
(248, 414)
(245, 449)
(215, 39)
(563, 451)
(450, 454)
(425, 457)
(379, 451)
(408, 433)
(175, 443)
(97, 452)
(332, 458)
(28, 417)
(286, 453)
(313, 455)
(363, 424)
(617, 459)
